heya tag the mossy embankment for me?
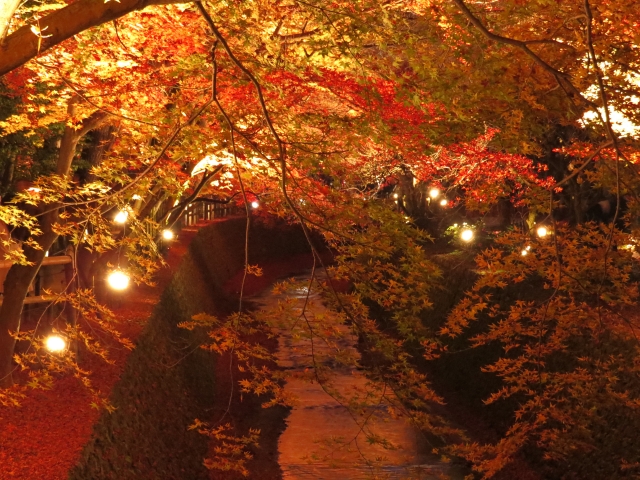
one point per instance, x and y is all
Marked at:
(168, 381)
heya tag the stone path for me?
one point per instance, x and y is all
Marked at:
(322, 439)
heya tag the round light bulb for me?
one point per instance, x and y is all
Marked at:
(542, 232)
(395, 195)
(434, 193)
(121, 217)
(466, 235)
(444, 202)
(524, 252)
(255, 204)
(167, 234)
(55, 343)
(118, 280)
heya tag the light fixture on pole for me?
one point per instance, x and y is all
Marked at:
(55, 343)
(168, 234)
(118, 280)
(466, 235)
(121, 217)
(542, 231)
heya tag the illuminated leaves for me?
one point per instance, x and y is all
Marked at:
(231, 451)
(254, 270)
(362, 94)
(566, 344)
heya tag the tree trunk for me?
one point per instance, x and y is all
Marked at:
(103, 139)
(7, 9)
(7, 175)
(16, 286)
(19, 277)
(23, 45)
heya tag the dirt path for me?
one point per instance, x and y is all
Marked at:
(323, 439)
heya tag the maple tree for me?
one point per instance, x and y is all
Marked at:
(319, 110)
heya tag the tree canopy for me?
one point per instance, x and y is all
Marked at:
(342, 116)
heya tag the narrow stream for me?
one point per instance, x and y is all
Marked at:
(323, 439)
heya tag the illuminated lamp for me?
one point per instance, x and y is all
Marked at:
(118, 280)
(55, 344)
(466, 235)
(121, 217)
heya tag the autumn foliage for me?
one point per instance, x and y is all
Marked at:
(343, 117)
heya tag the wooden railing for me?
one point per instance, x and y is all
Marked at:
(194, 213)
(197, 212)
(66, 260)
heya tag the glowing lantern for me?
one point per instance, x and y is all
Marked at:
(167, 234)
(118, 280)
(434, 193)
(395, 195)
(55, 343)
(466, 235)
(255, 204)
(121, 217)
(542, 232)
(444, 202)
